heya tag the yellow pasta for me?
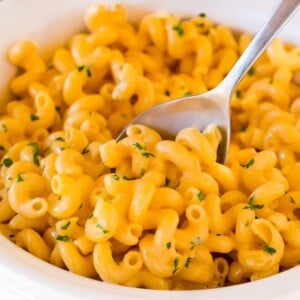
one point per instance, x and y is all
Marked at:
(143, 211)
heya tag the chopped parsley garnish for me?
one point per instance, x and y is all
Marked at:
(85, 150)
(249, 163)
(148, 154)
(168, 245)
(179, 29)
(167, 181)
(90, 216)
(140, 146)
(167, 93)
(127, 178)
(88, 70)
(187, 94)
(292, 200)
(19, 177)
(144, 149)
(115, 177)
(59, 139)
(4, 127)
(238, 93)
(251, 205)
(65, 227)
(268, 249)
(188, 261)
(218, 234)
(202, 15)
(175, 265)
(251, 71)
(143, 171)
(35, 153)
(195, 242)
(243, 128)
(63, 238)
(105, 231)
(2, 148)
(7, 162)
(200, 196)
(34, 118)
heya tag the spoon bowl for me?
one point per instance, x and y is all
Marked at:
(213, 107)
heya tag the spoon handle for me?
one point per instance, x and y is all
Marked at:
(259, 43)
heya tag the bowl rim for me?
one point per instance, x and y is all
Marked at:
(34, 276)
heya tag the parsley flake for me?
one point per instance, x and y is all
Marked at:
(85, 150)
(268, 249)
(167, 181)
(35, 153)
(34, 118)
(200, 196)
(179, 29)
(7, 162)
(140, 146)
(115, 177)
(238, 93)
(65, 227)
(148, 154)
(63, 238)
(168, 245)
(249, 163)
(4, 127)
(251, 71)
(127, 178)
(188, 261)
(195, 242)
(187, 94)
(251, 205)
(105, 231)
(2, 148)
(20, 178)
(292, 200)
(175, 265)
(202, 15)
(60, 139)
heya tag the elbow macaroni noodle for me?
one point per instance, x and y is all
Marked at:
(147, 212)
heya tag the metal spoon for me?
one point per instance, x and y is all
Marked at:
(213, 107)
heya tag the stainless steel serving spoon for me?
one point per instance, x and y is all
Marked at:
(213, 107)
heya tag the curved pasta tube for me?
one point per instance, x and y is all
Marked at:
(33, 243)
(195, 231)
(178, 155)
(109, 270)
(75, 261)
(142, 197)
(19, 222)
(45, 112)
(193, 139)
(27, 197)
(145, 279)
(199, 267)
(158, 250)
(165, 197)
(86, 52)
(19, 168)
(103, 223)
(69, 162)
(24, 54)
(6, 211)
(67, 195)
(272, 247)
(200, 180)
(87, 103)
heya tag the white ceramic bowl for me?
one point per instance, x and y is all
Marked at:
(50, 23)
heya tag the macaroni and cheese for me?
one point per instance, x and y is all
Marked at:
(143, 211)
